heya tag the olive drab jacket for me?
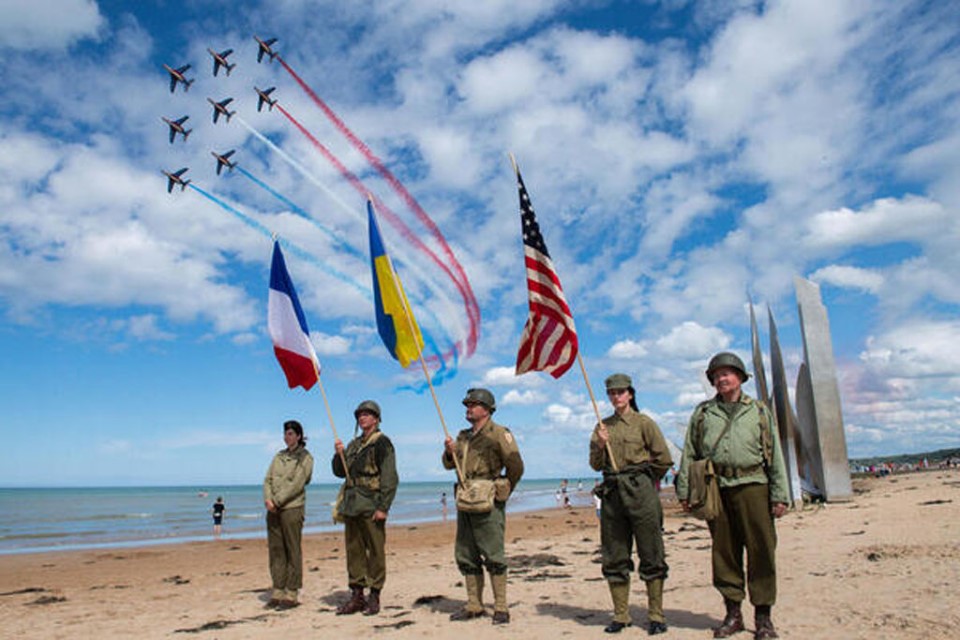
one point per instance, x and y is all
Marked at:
(287, 478)
(373, 480)
(635, 439)
(491, 449)
(748, 453)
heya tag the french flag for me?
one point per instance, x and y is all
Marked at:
(288, 327)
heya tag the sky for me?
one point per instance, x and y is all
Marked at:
(679, 155)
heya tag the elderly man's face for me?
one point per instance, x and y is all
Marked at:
(727, 381)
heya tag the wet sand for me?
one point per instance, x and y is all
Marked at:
(885, 565)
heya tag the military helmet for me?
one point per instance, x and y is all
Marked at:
(481, 396)
(727, 359)
(619, 381)
(367, 405)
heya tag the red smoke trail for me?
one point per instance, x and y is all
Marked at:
(473, 310)
(393, 219)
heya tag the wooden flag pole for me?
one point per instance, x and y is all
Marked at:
(596, 410)
(423, 365)
(326, 403)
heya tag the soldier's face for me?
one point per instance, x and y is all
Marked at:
(290, 438)
(726, 380)
(367, 421)
(619, 398)
(477, 413)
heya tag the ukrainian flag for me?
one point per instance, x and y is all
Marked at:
(395, 322)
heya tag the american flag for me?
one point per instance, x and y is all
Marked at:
(549, 341)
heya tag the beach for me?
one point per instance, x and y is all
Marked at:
(883, 565)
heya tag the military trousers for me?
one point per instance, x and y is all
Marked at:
(284, 532)
(630, 512)
(365, 540)
(479, 541)
(745, 524)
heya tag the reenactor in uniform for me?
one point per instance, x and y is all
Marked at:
(491, 450)
(367, 495)
(739, 436)
(630, 505)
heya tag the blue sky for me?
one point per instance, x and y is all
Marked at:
(678, 154)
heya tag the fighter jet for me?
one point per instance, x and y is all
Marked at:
(176, 178)
(221, 108)
(265, 49)
(176, 126)
(220, 60)
(177, 75)
(223, 160)
(265, 98)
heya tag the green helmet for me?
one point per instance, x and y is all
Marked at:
(481, 396)
(619, 381)
(367, 405)
(727, 359)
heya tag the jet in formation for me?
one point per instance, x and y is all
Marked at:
(176, 126)
(265, 98)
(220, 60)
(177, 75)
(176, 178)
(223, 160)
(265, 49)
(221, 108)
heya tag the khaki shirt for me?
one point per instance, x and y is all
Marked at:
(634, 439)
(373, 465)
(740, 448)
(287, 478)
(491, 449)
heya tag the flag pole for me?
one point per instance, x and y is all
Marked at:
(407, 314)
(583, 369)
(326, 404)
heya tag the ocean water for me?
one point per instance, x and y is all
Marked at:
(39, 520)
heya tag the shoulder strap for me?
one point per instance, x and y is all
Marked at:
(766, 437)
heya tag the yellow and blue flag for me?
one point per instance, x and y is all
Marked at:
(395, 322)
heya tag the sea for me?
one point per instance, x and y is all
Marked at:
(61, 519)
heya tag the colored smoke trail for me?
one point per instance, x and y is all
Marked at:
(395, 221)
(411, 264)
(349, 248)
(293, 249)
(473, 309)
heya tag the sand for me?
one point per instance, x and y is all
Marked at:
(884, 565)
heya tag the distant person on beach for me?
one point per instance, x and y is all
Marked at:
(443, 505)
(739, 435)
(368, 492)
(285, 496)
(483, 452)
(630, 507)
(218, 509)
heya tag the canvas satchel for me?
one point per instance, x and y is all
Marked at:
(704, 499)
(474, 495)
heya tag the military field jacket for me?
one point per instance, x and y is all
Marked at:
(373, 469)
(491, 449)
(635, 439)
(287, 478)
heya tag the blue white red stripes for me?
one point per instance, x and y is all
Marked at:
(288, 327)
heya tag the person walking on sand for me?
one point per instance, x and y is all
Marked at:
(485, 450)
(285, 496)
(367, 495)
(218, 509)
(738, 434)
(630, 507)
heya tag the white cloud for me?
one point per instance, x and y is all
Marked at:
(326, 345)
(846, 276)
(884, 221)
(528, 397)
(918, 349)
(500, 376)
(47, 24)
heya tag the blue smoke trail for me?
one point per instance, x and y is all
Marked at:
(353, 251)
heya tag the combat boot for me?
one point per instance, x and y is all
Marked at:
(474, 607)
(763, 623)
(289, 599)
(656, 623)
(355, 604)
(732, 622)
(620, 594)
(501, 615)
(373, 603)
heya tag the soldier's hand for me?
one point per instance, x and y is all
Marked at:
(379, 515)
(778, 509)
(338, 446)
(450, 446)
(270, 506)
(602, 434)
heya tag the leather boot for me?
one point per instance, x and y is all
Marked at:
(732, 623)
(620, 594)
(501, 614)
(656, 623)
(474, 607)
(355, 604)
(763, 623)
(373, 603)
